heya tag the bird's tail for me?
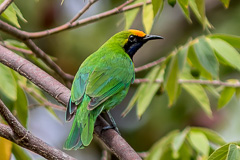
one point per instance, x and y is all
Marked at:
(81, 133)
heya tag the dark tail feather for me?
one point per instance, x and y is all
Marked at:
(71, 109)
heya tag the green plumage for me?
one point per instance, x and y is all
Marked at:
(101, 83)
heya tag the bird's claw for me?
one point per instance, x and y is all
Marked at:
(111, 127)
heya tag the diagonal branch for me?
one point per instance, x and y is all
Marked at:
(19, 135)
(24, 51)
(85, 21)
(149, 65)
(90, 3)
(5, 5)
(39, 53)
(110, 137)
(42, 55)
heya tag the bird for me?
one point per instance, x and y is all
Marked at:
(101, 83)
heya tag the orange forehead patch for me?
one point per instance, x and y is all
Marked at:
(137, 33)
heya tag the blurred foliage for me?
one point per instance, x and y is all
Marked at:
(163, 131)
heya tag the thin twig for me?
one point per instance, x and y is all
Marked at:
(24, 51)
(42, 55)
(48, 104)
(45, 102)
(5, 5)
(194, 81)
(90, 3)
(110, 137)
(149, 65)
(39, 53)
(85, 21)
(24, 138)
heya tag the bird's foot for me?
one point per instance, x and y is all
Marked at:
(111, 127)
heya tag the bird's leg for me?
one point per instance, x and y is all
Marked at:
(110, 119)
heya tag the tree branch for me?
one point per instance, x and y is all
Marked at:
(42, 55)
(39, 53)
(44, 101)
(149, 65)
(110, 137)
(25, 35)
(5, 5)
(24, 51)
(90, 3)
(19, 135)
(194, 81)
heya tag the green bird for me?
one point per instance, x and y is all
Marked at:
(101, 83)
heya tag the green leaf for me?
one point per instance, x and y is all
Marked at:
(233, 152)
(206, 57)
(134, 99)
(238, 93)
(192, 55)
(171, 79)
(226, 95)
(151, 88)
(16, 43)
(172, 2)
(157, 6)
(231, 39)
(53, 114)
(196, 8)
(200, 142)
(213, 91)
(225, 51)
(130, 17)
(178, 142)
(18, 12)
(211, 135)
(220, 153)
(197, 92)
(225, 3)
(19, 153)
(184, 7)
(148, 17)
(7, 83)
(159, 147)
(201, 9)
(21, 106)
(182, 57)
(10, 15)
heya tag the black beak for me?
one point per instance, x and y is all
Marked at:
(151, 37)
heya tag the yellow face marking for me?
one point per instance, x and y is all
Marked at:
(137, 33)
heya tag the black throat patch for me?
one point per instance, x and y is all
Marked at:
(132, 45)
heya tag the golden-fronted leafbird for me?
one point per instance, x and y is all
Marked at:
(101, 83)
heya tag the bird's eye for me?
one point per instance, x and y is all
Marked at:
(131, 38)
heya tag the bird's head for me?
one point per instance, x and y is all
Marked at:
(131, 40)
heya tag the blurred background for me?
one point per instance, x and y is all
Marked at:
(71, 47)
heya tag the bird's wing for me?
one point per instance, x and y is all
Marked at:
(77, 93)
(106, 81)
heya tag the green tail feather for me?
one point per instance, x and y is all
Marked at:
(81, 133)
(74, 139)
